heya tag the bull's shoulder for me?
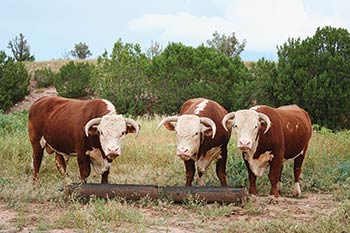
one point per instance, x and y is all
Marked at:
(203, 107)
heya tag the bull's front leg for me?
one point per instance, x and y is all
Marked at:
(104, 177)
(190, 170)
(275, 174)
(221, 166)
(84, 165)
(251, 176)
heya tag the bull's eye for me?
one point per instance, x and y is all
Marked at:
(196, 134)
(256, 127)
(123, 133)
(236, 126)
(101, 133)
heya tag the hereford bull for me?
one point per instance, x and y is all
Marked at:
(89, 129)
(268, 136)
(200, 137)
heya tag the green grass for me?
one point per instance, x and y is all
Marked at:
(150, 159)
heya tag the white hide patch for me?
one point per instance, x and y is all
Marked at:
(255, 108)
(201, 106)
(300, 153)
(296, 190)
(110, 107)
(211, 155)
(188, 134)
(112, 130)
(259, 166)
(99, 164)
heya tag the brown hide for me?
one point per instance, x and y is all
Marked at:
(287, 137)
(290, 131)
(215, 112)
(61, 122)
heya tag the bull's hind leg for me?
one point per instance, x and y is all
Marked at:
(298, 162)
(61, 164)
(37, 157)
(37, 149)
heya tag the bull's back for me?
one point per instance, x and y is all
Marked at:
(297, 129)
(61, 121)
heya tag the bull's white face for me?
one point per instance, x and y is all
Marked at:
(188, 136)
(246, 125)
(112, 130)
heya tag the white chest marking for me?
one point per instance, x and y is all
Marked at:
(259, 166)
(99, 164)
(201, 106)
(211, 155)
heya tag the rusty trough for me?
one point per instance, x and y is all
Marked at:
(178, 194)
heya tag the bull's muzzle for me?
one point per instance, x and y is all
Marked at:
(244, 145)
(184, 157)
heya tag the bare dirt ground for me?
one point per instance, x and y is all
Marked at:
(298, 209)
(34, 95)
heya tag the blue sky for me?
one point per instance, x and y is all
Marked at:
(52, 27)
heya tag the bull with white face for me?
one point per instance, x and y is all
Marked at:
(198, 137)
(88, 129)
(268, 136)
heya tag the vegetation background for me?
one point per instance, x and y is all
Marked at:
(313, 73)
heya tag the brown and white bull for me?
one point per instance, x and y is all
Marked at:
(268, 136)
(88, 129)
(200, 137)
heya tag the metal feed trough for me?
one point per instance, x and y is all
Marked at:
(208, 194)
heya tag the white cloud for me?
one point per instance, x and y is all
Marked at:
(264, 24)
(180, 26)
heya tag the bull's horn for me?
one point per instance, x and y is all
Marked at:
(168, 119)
(90, 123)
(210, 122)
(265, 118)
(228, 116)
(134, 124)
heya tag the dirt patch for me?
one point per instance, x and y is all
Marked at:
(178, 218)
(33, 96)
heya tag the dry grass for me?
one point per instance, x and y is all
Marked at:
(149, 159)
(54, 65)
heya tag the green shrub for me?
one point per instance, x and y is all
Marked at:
(72, 81)
(14, 81)
(120, 78)
(182, 72)
(44, 77)
(315, 73)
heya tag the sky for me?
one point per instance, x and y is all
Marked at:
(53, 27)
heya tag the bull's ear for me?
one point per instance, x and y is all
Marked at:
(207, 131)
(131, 129)
(169, 125)
(229, 124)
(93, 131)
